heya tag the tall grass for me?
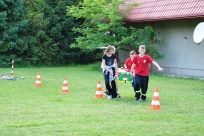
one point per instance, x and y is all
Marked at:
(26, 110)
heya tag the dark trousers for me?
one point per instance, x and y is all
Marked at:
(111, 88)
(141, 82)
(134, 83)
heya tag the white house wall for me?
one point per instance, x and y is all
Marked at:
(182, 57)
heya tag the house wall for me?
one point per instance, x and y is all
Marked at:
(182, 57)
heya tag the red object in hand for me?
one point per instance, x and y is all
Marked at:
(117, 74)
(127, 70)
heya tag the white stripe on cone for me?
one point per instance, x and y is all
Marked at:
(98, 92)
(155, 102)
(98, 85)
(65, 82)
(37, 82)
(156, 94)
(64, 88)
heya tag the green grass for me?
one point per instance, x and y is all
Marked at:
(26, 110)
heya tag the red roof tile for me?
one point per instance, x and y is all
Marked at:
(155, 10)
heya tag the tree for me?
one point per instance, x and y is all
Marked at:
(13, 40)
(104, 25)
(38, 32)
(60, 29)
(43, 49)
(53, 33)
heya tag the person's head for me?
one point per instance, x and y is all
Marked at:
(142, 49)
(132, 54)
(114, 49)
(109, 50)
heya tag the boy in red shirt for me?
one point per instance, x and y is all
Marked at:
(129, 61)
(128, 65)
(140, 64)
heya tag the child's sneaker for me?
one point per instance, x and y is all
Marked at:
(118, 95)
(109, 96)
(106, 93)
(137, 99)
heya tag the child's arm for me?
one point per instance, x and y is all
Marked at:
(102, 64)
(116, 65)
(132, 68)
(157, 65)
(125, 66)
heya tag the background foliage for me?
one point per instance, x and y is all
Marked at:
(43, 32)
(38, 32)
(13, 39)
(104, 24)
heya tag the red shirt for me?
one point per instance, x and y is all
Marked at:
(142, 64)
(129, 63)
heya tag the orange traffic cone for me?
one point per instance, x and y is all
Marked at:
(38, 81)
(155, 105)
(65, 86)
(99, 93)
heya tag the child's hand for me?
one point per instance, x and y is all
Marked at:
(160, 69)
(111, 71)
(131, 74)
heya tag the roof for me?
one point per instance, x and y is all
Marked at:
(157, 10)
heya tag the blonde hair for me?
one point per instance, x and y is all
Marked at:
(142, 47)
(114, 48)
(108, 48)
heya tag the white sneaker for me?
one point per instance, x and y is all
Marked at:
(118, 96)
(109, 96)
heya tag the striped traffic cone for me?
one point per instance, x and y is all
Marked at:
(155, 105)
(38, 81)
(65, 86)
(99, 93)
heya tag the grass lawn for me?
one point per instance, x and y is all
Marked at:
(26, 110)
